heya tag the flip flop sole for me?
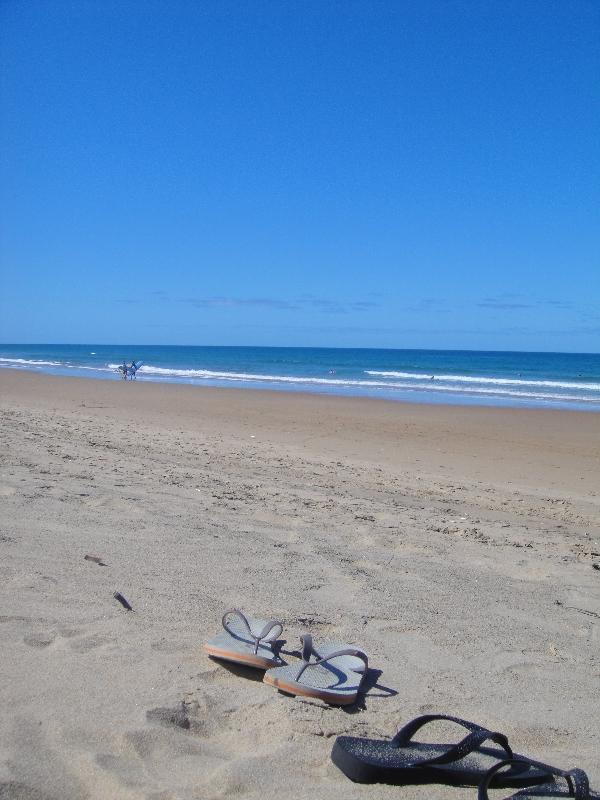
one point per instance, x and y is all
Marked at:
(371, 767)
(363, 772)
(239, 658)
(291, 687)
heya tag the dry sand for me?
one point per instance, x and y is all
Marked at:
(459, 546)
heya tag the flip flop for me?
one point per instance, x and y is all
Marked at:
(246, 640)
(401, 760)
(328, 678)
(574, 783)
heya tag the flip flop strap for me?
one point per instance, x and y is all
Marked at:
(270, 626)
(307, 652)
(306, 640)
(577, 780)
(467, 745)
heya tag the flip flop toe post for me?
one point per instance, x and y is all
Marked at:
(246, 640)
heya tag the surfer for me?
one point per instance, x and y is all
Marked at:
(132, 369)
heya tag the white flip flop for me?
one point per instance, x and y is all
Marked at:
(328, 678)
(246, 640)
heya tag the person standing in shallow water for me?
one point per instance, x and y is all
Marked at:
(132, 370)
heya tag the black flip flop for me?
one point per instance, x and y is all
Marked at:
(400, 760)
(571, 783)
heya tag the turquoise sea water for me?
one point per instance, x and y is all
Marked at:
(551, 380)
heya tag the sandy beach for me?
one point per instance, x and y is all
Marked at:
(458, 546)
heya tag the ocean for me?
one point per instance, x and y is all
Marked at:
(548, 380)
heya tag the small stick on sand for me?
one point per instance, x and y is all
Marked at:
(125, 603)
(96, 560)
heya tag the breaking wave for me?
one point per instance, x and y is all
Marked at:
(592, 387)
(412, 382)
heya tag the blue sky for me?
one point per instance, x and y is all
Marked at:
(378, 174)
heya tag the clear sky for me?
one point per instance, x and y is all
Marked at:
(378, 174)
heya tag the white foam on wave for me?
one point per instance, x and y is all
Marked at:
(148, 369)
(430, 386)
(591, 387)
(32, 362)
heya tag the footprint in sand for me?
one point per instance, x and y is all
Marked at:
(39, 640)
(14, 790)
(151, 754)
(77, 643)
(87, 643)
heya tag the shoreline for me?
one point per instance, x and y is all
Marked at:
(458, 546)
(288, 393)
(505, 380)
(558, 446)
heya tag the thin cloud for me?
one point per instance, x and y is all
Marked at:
(135, 299)
(240, 302)
(304, 329)
(582, 329)
(179, 325)
(562, 304)
(321, 304)
(327, 306)
(427, 304)
(508, 296)
(503, 305)
(508, 301)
